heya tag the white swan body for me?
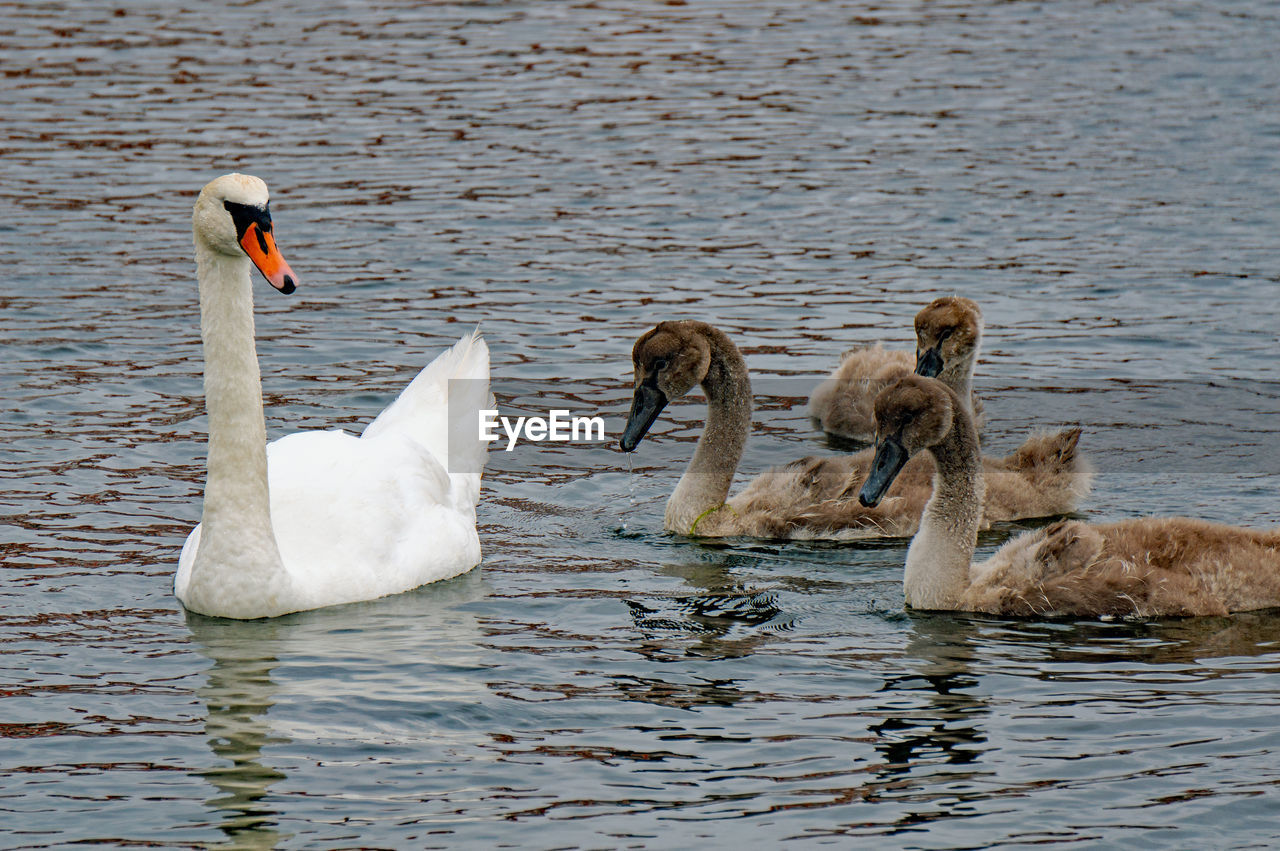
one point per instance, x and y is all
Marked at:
(320, 518)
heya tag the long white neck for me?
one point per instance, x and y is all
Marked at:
(704, 486)
(937, 570)
(238, 558)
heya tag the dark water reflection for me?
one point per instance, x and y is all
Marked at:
(237, 695)
(1100, 176)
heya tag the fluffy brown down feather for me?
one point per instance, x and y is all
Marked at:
(1044, 477)
(1146, 567)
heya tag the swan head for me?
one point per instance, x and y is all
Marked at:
(912, 414)
(670, 360)
(232, 216)
(948, 334)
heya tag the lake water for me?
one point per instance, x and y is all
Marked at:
(1102, 177)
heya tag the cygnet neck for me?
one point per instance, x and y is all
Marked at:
(705, 484)
(937, 568)
(958, 375)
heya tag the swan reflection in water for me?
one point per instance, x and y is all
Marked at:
(948, 655)
(947, 727)
(729, 618)
(952, 721)
(237, 694)
(271, 689)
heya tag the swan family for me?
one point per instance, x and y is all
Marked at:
(814, 497)
(325, 517)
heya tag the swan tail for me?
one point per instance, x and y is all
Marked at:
(1052, 466)
(440, 409)
(1052, 454)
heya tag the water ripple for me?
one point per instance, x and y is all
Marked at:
(1100, 176)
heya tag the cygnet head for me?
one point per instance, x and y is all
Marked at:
(948, 334)
(232, 216)
(912, 414)
(670, 360)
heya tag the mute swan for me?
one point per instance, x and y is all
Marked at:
(1145, 567)
(317, 518)
(948, 336)
(814, 497)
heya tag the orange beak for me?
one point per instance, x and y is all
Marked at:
(261, 248)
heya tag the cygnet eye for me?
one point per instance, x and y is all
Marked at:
(660, 364)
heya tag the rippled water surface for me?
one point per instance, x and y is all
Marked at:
(1102, 177)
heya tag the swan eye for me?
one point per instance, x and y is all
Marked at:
(660, 364)
(244, 215)
(946, 332)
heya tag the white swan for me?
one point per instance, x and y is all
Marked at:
(319, 518)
